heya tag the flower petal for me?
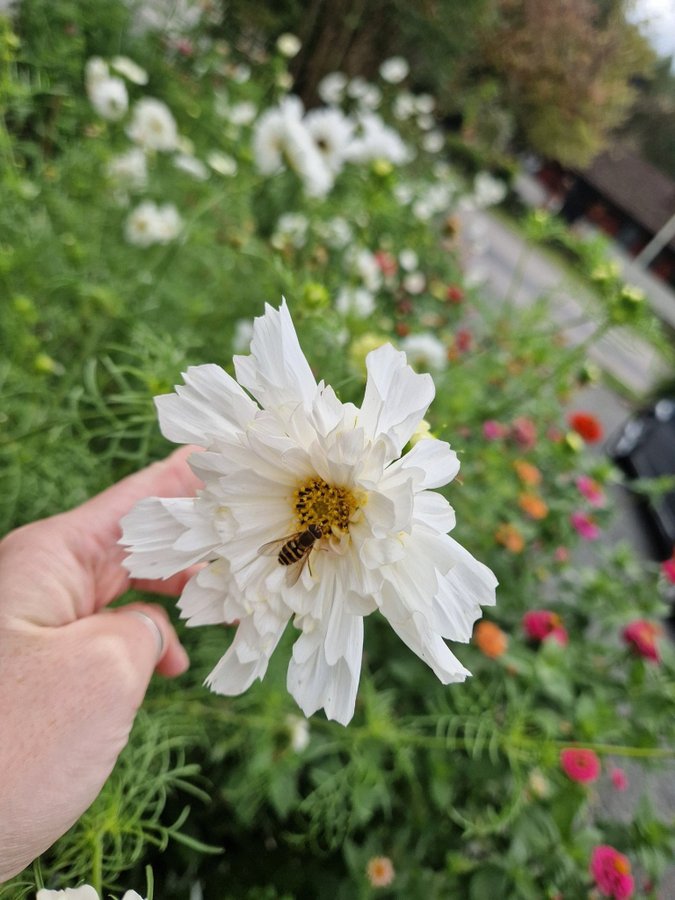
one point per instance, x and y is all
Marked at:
(396, 398)
(246, 659)
(209, 405)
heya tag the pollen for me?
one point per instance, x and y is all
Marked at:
(319, 503)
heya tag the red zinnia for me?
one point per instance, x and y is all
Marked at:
(619, 779)
(668, 569)
(640, 636)
(539, 624)
(587, 426)
(579, 764)
(611, 871)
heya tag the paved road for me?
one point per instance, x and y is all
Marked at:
(517, 274)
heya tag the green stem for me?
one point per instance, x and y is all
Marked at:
(97, 866)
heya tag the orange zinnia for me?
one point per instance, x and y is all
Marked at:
(508, 536)
(533, 506)
(528, 473)
(490, 639)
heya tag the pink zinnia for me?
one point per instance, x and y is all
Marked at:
(585, 526)
(524, 432)
(386, 263)
(539, 624)
(579, 764)
(591, 490)
(619, 779)
(493, 431)
(668, 569)
(640, 636)
(611, 871)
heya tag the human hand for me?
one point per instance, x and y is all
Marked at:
(72, 672)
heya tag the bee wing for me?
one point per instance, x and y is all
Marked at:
(294, 571)
(272, 548)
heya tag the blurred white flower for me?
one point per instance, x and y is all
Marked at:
(299, 732)
(394, 69)
(243, 332)
(488, 190)
(288, 45)
(222, 163)
(331, 88)
(109, 98)
(240, 73)
(129, 70)
(175, 17)
(95, 70)
(377, 141)
(291, 230)
(404, 106)
(425, 122)
(283, 455)
(242, 113)
(364, 264)
(336, 232)
(424, 103)
(404, 193)
(371, 97)
(150, 224)
(129, 170)
(425, 351)
(191, 165)
(433, 142)
(414, 282)
(357, 87)
(152, 125)
(408, 259)
(284, 80)
(355, 301)
(332, 132)
(280, 136)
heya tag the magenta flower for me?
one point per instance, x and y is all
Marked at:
(619, 779)
(493, 430)
(611, 871)
(580, 764)
(668, 569)
(541, 624)
(524, 432)
(591, 490)
(585, 526)
(640, 636)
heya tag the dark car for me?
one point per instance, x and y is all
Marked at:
(644, 448)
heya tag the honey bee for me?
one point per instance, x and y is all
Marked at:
(293, 551)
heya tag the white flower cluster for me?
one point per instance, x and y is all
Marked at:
(84, 892)
(150, 223)
(317, 145)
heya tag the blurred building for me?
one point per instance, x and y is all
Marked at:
(622, 195)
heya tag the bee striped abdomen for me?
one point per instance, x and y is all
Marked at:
(298, 546)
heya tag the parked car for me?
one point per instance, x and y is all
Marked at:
(644, 448)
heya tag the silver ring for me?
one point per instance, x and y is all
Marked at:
(153, 626)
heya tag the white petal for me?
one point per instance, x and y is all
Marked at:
(209, 405)
(437, 463)
(396, 398)
(159, 533)
(246, 659)
(276, 373)
(207, 598)
(462, 591)
(433, 510)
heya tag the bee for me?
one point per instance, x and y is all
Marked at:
(293, 551)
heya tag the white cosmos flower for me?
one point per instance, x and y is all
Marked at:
(355, 301)
(150, 224)
(408, 259)
(332, 132)
(109, 97)
(434, 141)
(291, 229)
(129, 170)
(282, 453)
(488, 190)
(242, 113)
(394, 69)
(414, 282)
(331, 88)
(377, 141)
(152, 125)
(191, 166)
(288, 45)
(281, 137)
(95, 70)
(222, 163)
(129, 69)
(364, 264)
(337, 232)
(425, 351)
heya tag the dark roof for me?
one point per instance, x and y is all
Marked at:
(634, 185)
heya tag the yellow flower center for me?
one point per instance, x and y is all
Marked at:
(320, 503)
(622, 865)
